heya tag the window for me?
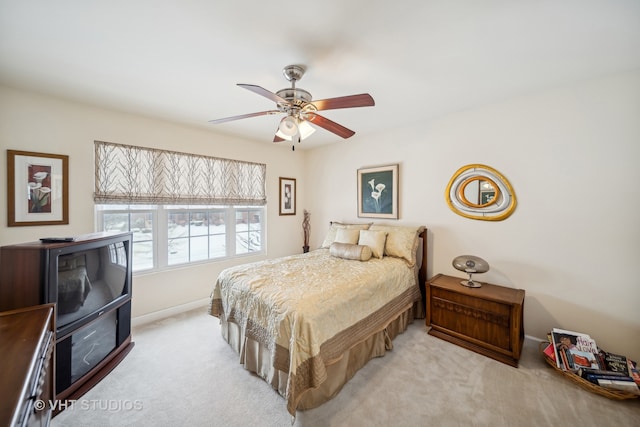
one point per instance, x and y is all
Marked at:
(168, 236)
(181, 208)
(248, 230)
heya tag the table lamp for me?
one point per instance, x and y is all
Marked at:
(470, 264)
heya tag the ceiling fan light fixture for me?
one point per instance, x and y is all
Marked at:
(304, 128)
(288, 126)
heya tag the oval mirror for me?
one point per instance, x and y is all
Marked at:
(480, 192)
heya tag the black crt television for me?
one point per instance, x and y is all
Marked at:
(87, 279)
(90, 280)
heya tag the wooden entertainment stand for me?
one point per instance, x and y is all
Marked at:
(487, 320)
(100, 329)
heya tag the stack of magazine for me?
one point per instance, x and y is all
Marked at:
(578, 353)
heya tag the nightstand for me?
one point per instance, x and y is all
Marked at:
(487, 320)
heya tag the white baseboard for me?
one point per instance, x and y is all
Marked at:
(168, 312)
(532, 338)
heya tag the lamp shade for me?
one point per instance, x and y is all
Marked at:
(304, 129)
(288, 126)
(470, 264)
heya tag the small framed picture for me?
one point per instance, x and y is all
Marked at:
(287, 196)
(378, 192)
(37, 188)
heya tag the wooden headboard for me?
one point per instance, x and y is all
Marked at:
(422, 273)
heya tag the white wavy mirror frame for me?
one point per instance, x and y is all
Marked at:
(480, 192)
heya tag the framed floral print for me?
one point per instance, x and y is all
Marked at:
(287, 196)
(37, 188)
(378, 192)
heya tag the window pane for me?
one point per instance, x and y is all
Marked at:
(141, 226)
(141, 221)
(255, 223)
(242, 239)
(254, 241)
(142, 256)
(248, 232)
(142, 230)
(116, 221)
(199, 249)
(255, 227)
(217, 233)
(177, 224)
(217, 220)
(178, 251)
(198, 224)
(217, 246)
(178, 233)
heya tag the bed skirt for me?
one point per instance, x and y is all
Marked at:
(256, 358)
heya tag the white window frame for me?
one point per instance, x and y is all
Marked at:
(160, 234)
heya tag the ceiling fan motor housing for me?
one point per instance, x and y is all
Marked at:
(296, 97)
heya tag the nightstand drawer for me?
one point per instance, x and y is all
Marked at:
(484, 325)
(472, 301)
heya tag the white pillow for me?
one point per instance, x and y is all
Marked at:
(375, 240)
(347, 235)
(349, 251)
(335, 226)
(402, 242)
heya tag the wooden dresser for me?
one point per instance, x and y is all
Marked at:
(487, 320)
(27, 340)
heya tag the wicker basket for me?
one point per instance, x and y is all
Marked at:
(611, 394)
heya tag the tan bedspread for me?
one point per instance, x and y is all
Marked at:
(309, 309)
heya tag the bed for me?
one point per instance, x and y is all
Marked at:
(307, 323)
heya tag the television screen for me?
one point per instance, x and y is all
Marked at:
(89, 279)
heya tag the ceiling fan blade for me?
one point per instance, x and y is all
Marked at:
(329, 125)
(362, 100)
(276, 138)
(243, 116)
(264, 92)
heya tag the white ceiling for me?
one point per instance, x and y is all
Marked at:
(180, 60)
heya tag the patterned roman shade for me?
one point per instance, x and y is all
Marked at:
(126, 174)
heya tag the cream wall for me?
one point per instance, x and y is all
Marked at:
(31, 122)
(571, 155)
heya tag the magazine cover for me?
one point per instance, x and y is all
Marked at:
(574, 350)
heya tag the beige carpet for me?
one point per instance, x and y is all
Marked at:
(182, 373)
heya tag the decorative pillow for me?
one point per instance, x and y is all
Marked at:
(402, 242)
(350, 251)
(335, 226)
(375, 240)
(347, 235)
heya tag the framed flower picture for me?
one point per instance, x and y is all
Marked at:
(287, 196)
(37, 188)
(378, 192)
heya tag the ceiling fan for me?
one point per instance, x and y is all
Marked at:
(300, 110)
